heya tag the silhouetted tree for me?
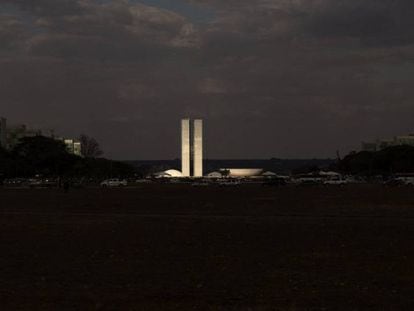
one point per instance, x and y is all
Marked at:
(397, 159)
(90, 147)
(3, 153)
(49, 157)
(225, 173)
(42, 155)
(306, 169)
(5, 162)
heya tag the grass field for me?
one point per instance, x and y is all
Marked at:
(177, 247)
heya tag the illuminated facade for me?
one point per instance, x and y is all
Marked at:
(185, 147)
(192, 152)
(73, 147)
(198, 149)
(77, 148)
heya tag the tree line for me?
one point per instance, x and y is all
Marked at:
(45, 156)
(386, 162)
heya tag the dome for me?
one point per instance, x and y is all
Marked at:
(173, 173)
(168, 174)
(214, 175)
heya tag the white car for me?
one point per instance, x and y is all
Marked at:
(114, 182)
(404, 180)
(335, 181)
(143, 181)
(229, 182)
(200, 184)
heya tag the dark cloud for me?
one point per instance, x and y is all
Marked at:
(12, 33)
(48, 8)
(385, 22)
(298, 78)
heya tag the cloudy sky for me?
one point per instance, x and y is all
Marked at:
(271, 78)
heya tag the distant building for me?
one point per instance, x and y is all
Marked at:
(198, 148)
(382, 144)
(242, 172)
(77, 148)
(407, 140)
(369, 147)
(3, 133)
(192, 150)
(16, 133)
(185, 148)
(12, 135)
(168, 174)
(73, 146)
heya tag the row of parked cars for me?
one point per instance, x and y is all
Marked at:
(38, 182)
(31, 182)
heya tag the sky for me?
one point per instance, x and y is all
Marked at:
(270, 78)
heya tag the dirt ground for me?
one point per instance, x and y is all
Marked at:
(178, 247)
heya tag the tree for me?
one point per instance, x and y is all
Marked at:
(225, 173)
(50, 157)
(5, 162)
(396, 159)
(42, 155)
(90, 147)
(3, 153)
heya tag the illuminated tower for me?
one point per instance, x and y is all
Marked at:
(198, 148)
(185, 147)
(192, 148)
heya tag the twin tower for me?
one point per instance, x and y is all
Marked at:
(192, 152)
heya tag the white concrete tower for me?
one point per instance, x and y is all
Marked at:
(185, 147)
(198, 148)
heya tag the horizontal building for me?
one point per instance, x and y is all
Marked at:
(73, 146)
(18, 132)
(407, 140)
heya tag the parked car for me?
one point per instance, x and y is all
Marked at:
(143, 181)
(394, 182)
(229, 182)
(15, 182)
(308, 181)
(114, 182)
(408, 181)
(200, 184)
(335, 181)
(400, 181)
(42, 183)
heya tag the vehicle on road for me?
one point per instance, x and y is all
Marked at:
(401, 180)
(143, 181)
(114, 182)
(15, 182)
(42, 183)
(335, 181)
(229, 182)
(200, 184)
